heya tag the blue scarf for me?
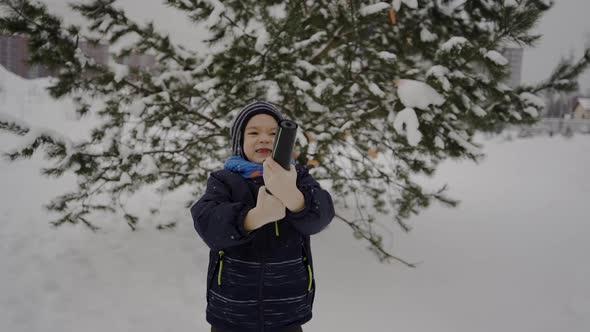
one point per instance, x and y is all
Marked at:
(245, 168)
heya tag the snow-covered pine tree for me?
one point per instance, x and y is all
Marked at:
(382, 91)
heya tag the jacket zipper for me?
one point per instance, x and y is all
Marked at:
(220, 260)
(307, 263)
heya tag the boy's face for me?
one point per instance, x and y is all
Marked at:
(259, 136)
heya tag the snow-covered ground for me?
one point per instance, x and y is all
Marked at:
(511, 257)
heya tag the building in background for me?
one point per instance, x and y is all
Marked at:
(582, 108)
(14, 54)
(98, 52)
(514, 57)
(143, 61)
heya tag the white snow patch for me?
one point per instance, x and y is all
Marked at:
(207, 85)
(147, 165)
(496, 57)
(406, 123)
(417, 94)
(308, 67)
(387, 55)
(278, 11)
(440, 72)
(314, 38)
(411, 3)
(319, 89)
(454, 43)
(439, 143)
(215, 16)
(120, 71)
(510, 3)
(374, 88)
(531, 111)
(314, 106)
(503, 87)
(300, 84)
(427, 36)
(532, 99)
(262, 40)
(166, 123)
(478, 111)
(374, 8)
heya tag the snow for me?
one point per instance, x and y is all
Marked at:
(440, 72)
(278, 11)
(10, 119)
(488, 26)
(314, 106)
(273, 91)
(478, 111)
(510, 257)
(497, 58)
(120, 71)
(453, 43)
(386, 55)
(439, 143)
(206, 85)
(427, 36)
(215, 16)
(531, 111)
(262, 40)
(413, 4)
(472, 149)
(166, 123)
(308, 67)
(533, 99)
(319, 89)
(374, 8)
(83, 59)
(125, 179)
(406, 123)
(416, 94)
(515, 115)
(300, 84)
(374, 88)
(314, 38)
(503, 87)
(147, 165)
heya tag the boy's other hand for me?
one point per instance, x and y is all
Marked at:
(269, 207)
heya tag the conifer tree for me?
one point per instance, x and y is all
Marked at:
(382, 91)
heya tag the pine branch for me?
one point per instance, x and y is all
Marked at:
(384, 255)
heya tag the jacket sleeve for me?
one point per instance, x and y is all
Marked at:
(218, 220)
(319, 208)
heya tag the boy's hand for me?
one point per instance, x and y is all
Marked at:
(270, 208)
(282, 183)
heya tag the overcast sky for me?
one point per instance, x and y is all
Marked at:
(565, 29)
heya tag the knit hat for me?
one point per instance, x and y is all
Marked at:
(239, 124)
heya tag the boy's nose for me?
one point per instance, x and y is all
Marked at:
(265, 138)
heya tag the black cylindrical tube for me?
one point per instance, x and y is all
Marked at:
(283, 145)
(282, 150)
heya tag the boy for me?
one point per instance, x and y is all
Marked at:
(260, 273)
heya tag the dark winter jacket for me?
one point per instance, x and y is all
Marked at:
(262, 280)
